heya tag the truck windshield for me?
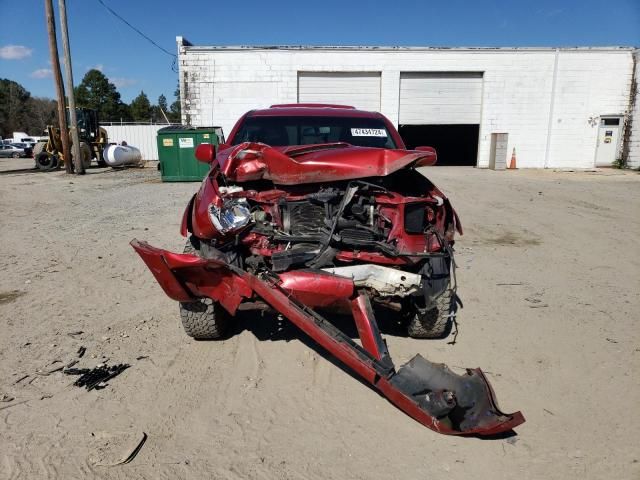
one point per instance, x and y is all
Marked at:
(299, 130)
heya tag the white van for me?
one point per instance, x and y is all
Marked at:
(22, 137)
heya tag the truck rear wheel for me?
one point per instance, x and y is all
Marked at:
(202, 319)
(435, 322)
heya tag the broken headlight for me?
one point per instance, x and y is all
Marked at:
(234, 214)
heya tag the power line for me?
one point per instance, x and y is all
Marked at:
(119, 17)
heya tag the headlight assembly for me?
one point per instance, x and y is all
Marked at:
(233, 215)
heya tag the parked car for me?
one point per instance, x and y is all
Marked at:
(13, 151)
(27, 147)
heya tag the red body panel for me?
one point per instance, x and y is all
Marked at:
(318, 290)
(185, 277)
(208, 194)
(361, 309)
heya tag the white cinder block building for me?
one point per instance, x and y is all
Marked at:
(561, 107)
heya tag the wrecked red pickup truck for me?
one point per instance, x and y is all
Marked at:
(319, 208)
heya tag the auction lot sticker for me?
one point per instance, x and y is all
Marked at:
(368, 132)
(185, 142)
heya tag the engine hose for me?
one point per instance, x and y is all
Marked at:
(348, 196)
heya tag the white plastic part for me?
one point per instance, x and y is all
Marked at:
(122, 155)
(231, 189)
(386, 281)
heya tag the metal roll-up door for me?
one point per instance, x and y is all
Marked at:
(359, 89)
(446, 98)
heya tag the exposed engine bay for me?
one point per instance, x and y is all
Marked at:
(389, 243)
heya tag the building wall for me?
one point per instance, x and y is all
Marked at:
(633, 148)
(143, 137)
(545, 99)
(589, 84)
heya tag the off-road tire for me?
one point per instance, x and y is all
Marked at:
(46, 161)
(203, 319)
(435, 322)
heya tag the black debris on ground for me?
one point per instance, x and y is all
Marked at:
(96, 378)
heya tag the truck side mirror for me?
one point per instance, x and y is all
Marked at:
(206, 152)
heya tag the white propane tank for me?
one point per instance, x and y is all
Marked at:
(122, 156)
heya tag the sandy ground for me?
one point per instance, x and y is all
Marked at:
(549, 272)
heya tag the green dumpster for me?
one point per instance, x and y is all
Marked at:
(176, 152)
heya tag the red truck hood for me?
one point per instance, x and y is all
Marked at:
(315, 163)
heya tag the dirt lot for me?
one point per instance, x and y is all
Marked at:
(549, 272)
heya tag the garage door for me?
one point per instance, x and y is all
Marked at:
(360, 89)
(440, 98)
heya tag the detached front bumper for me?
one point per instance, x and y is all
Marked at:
(185, 277)
(430, 393)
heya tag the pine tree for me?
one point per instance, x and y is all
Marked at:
(141, 108)
(97, 92)
(162, 103)
(175, 109)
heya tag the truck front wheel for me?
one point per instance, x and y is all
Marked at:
(434, 322)
(202, 319)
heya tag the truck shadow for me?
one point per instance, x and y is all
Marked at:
(269, 326)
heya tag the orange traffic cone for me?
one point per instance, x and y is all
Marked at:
(512, 164)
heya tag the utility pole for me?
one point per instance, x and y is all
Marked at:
(75, 138)
(57, 78)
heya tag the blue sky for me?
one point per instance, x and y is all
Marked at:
(101, 41)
